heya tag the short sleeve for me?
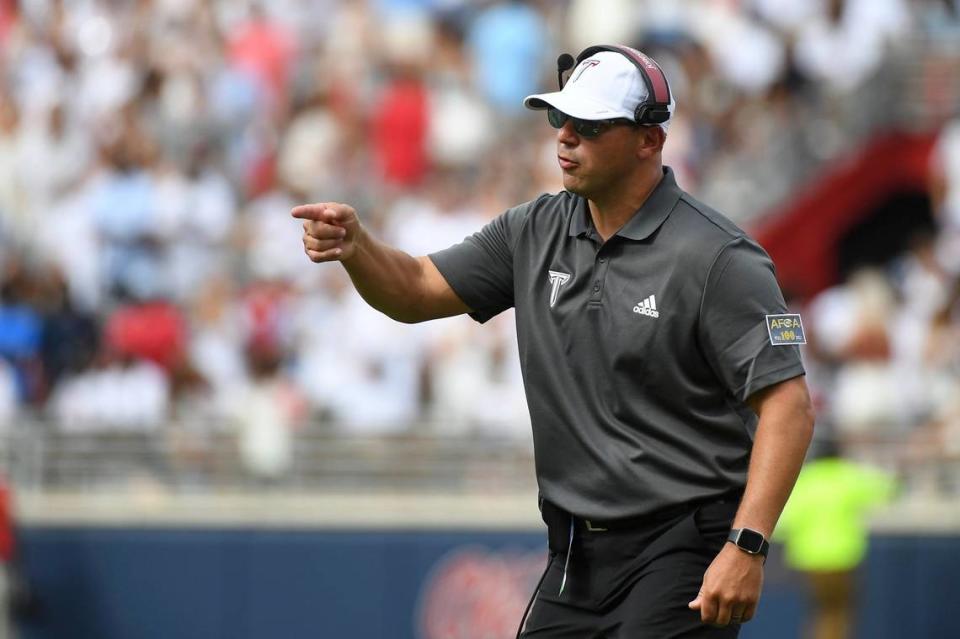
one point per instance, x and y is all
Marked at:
(741, 291)
(480, 269)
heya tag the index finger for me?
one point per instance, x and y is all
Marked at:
(310, 211)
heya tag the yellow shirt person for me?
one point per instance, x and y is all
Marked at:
(824, 529)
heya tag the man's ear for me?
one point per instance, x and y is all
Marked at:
(650, 141)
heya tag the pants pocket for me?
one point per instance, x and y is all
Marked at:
(713, 522)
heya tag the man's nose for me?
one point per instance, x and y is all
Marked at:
(566, 134)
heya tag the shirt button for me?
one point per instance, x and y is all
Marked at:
(596, 287)
(602, 260)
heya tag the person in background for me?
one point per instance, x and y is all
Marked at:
(824, 528)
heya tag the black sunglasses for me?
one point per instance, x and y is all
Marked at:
(584, 128)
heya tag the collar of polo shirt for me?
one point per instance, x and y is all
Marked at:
(648, 217)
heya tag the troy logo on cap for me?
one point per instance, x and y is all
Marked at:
(586, 64)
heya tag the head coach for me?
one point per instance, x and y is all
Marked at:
(662, 370)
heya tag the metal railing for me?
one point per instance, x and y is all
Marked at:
(194, 458)
(187, 457)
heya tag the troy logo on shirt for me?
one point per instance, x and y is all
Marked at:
(557, 279)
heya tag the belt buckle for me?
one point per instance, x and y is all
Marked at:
(593, 528)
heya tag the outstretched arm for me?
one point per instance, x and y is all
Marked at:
(732, 584)
(407, 289)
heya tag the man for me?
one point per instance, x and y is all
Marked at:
(659, 363)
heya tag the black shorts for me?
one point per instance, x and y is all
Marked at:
(629, 581)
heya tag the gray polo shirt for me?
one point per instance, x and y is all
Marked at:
(638, 353)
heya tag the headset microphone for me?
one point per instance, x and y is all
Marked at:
(564, 63)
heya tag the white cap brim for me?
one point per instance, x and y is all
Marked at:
(576, 106)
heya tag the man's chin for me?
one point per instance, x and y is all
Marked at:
(572, 184)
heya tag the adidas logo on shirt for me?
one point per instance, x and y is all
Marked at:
(647, 307)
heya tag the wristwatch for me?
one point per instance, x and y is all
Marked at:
(749, 541)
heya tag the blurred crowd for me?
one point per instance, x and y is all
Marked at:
(150, 150)
(885, 345)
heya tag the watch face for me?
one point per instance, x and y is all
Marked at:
(750, 540)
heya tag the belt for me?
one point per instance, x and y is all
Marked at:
(555, 516)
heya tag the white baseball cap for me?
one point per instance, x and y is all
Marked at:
(604, 86)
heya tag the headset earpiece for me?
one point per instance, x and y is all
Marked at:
(651, 114)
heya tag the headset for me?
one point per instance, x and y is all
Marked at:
(656, 108)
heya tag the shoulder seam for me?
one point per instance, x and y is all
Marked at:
(526, 220)
(706, 282)
(693, 204)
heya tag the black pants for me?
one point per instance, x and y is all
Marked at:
(629, 582)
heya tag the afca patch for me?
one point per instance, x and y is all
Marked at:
(785, 330)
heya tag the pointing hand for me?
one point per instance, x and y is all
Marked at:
(330, 230)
